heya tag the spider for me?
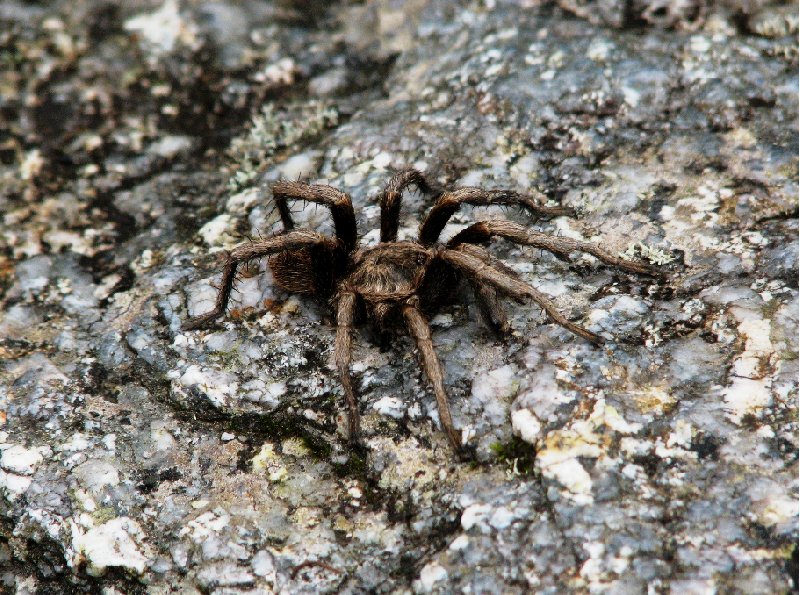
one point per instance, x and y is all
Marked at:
(402, 283)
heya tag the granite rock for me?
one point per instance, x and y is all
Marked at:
(140, 143)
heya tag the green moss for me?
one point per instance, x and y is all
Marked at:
(104, 514)
(516, 454)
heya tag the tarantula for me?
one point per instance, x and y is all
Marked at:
(398, 283)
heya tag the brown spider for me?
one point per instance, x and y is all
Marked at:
(400, 282)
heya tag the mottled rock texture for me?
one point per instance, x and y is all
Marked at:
(138, 141)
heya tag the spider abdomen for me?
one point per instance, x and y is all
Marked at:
(306, 271)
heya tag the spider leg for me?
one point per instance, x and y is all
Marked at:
(483, 231)
(491, 309)
(247, 252)
(340, 204)
(421, 332)
(342, 353)
(479, 265)
(449, 202)
(390, 198)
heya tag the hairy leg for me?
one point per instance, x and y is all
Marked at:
(345, 313)
(247, 252)
(340, 204)
(491, 309)
(479, 266)
(449, 202)
(421, 332)
(391, 196)
(483, 231)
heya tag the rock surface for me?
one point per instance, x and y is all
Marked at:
(139, 142)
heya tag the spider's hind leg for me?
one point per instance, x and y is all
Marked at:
(448, 203)
(561, 247)
(492, 311)
(477, 264)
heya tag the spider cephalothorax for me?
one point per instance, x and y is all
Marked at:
(400, 283)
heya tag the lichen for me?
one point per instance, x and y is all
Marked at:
(274, 130)
(652, 254)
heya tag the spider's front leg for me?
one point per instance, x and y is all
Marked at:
(421, 332)
(391, 196)
(249, 251)
(343, 349)
(339, 203)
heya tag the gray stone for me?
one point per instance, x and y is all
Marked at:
(137, 457)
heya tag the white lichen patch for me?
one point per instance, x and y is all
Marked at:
(390, 406)
(13, 485)
(745, 395)
(501, 518)
(526, 425)
(162, 30)
(31, 165)
(206, 525)
(224, 575)
(652, 254)
(750, 389)
(217, 386)
(117, 543)
(431, 574)
(17, 465)
(459, 543)
(558, 458)
(15, 458)
(218, 232)
(475, 514)
(161, 437)
(267, 461)
(241, 202)
(773, 507)
(489, 517)
(493, 389)
(77, 442)
(261, 391)
(677, 444)
(171, 146)
(383, 160)
(301, 166)
(599, 50)
(96, 474)
(263, 564)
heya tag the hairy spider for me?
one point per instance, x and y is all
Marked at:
(400, 283)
